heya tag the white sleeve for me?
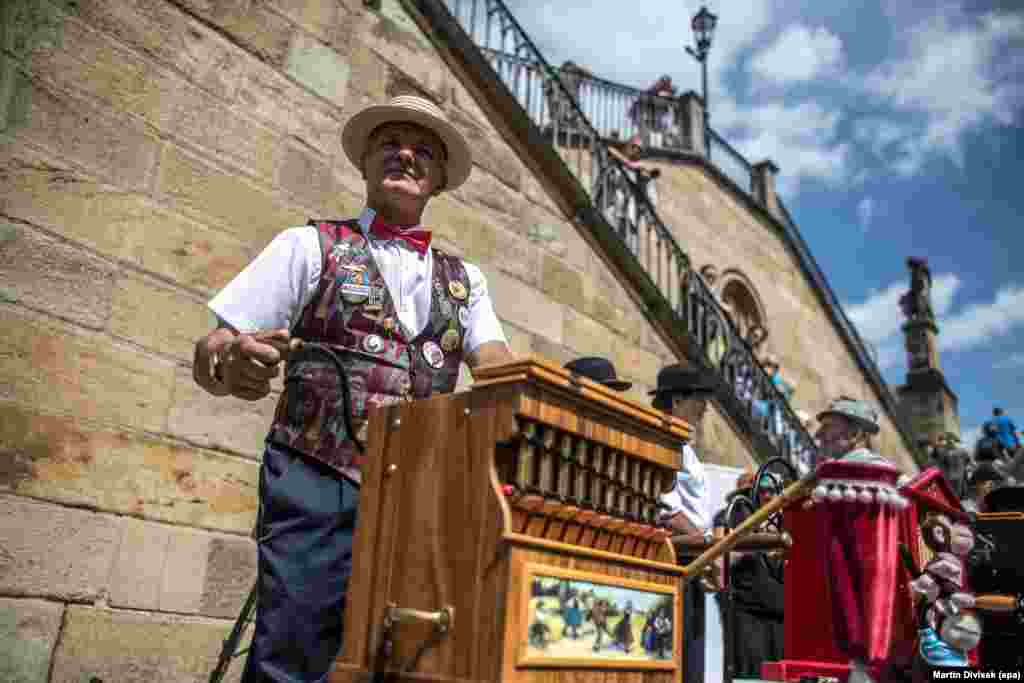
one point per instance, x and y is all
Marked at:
(272, 290)
(696, 468)
(483, 323)
(690, 493)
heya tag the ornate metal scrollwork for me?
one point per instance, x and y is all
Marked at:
(732, 357)
(622, 196)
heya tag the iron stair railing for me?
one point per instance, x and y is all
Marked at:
(548, 97)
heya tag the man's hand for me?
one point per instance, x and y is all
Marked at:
(207, 354)
(489, 353)
(251, 361)
(681, 524)
(713, 578)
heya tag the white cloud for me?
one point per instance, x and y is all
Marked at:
(635, 47)
(879, 318)
(969, 437)
(879, 315)
(980, 322)
(1014, 360)
(944, 288)
(801, 139)
(878, 134)
(866, 212)
(951, 75)
(799, 54)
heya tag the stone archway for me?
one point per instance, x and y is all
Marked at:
(743, 304)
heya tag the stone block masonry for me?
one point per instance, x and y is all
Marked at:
(28, 633)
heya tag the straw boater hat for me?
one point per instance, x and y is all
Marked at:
(410, 109)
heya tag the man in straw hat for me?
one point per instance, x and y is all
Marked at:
(397, 317)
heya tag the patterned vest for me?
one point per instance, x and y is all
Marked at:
(352, 312)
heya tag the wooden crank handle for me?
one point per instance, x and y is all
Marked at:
(441, 619)
(993, 602)
(793, 492)
(284, 347)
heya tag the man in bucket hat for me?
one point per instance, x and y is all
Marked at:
(845, 431)
(397, 318)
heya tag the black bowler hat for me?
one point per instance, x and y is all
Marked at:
(675, 379)
(599, 370)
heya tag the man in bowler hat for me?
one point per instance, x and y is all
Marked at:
(685, 393)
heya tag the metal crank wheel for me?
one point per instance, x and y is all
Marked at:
(740, 507)
(771, 480)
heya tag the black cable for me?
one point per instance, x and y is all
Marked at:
(229, 650)
(345, 392)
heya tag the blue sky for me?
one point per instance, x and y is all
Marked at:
(897, 127)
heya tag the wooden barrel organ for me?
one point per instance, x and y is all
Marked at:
(510, 533)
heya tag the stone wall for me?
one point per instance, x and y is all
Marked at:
(713, 226)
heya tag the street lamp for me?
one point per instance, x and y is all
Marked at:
(703, 25)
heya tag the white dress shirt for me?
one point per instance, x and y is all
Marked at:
(690, 494)
(273, 290)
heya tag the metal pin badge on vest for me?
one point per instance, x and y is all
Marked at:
(372, 343)
(450, 340)
(356, 288)
(433, 354)
(375, 301)
(457, 290)
(340, 250)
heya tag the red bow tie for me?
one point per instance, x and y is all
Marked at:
(417, 239)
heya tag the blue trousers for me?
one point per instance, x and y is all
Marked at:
(306, 533)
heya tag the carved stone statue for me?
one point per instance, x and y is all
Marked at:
(917, 349)
(917, 303)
